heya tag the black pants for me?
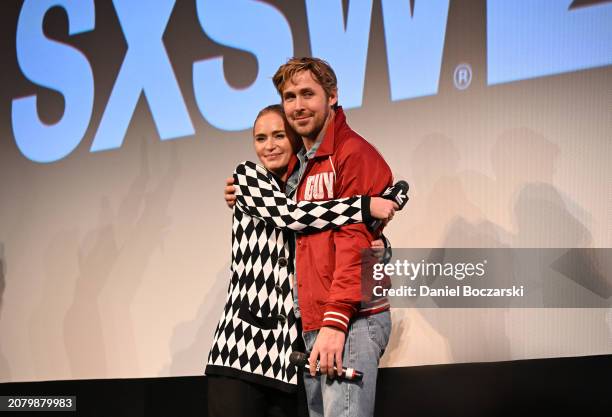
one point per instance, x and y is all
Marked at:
(233, 397)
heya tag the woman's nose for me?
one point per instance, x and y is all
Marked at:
(270, 143)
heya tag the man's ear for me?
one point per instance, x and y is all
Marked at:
(332, 99)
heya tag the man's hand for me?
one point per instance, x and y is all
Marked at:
(381, 250)
(230, 192)
(328, 349)
(377, 244)
(378, 248)
(383, 209)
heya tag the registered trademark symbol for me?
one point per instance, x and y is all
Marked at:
(462, 76)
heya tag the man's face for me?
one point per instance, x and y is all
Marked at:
(306, 104)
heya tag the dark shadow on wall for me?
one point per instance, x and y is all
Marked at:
(438, 196)
(543, 220)
(481, 334)
(113, 257)
(469, 209)
(83, 331)
(524, 163)
(5, 370)
(191, 340)
(45, 324)
(449, 219)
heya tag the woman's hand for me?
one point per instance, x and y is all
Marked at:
(382, 209)
(230, 192)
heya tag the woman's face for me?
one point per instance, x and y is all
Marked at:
(272, 142)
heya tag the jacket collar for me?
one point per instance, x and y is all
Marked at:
(328, 145)
(292, 163)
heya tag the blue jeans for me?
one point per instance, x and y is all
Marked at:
(365, 343)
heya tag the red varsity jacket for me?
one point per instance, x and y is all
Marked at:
(328, 264)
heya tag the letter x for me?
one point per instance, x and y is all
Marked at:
(146, 68)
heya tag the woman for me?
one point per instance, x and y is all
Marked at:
(248, 365)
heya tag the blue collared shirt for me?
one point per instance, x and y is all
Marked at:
(291, 186)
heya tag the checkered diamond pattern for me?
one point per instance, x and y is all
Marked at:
(258, 195)
(262, 223)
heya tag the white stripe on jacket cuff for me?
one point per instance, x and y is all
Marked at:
(346, 319)
(333, 319)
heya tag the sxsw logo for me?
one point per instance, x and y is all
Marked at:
(525, 39)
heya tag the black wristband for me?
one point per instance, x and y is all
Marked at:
(365, 209)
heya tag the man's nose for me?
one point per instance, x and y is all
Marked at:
(299, 103)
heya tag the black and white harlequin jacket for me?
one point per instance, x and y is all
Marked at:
(258, 329)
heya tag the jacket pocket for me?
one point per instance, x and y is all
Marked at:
(266, 323)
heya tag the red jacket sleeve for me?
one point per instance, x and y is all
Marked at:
(361, 170)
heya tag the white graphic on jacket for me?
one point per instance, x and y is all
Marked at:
(319, 186)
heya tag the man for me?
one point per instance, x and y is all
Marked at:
(334, 162)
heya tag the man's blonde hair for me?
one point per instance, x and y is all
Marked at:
(321, 71)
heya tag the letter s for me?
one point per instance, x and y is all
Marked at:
(57, 66)
(250, 26)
